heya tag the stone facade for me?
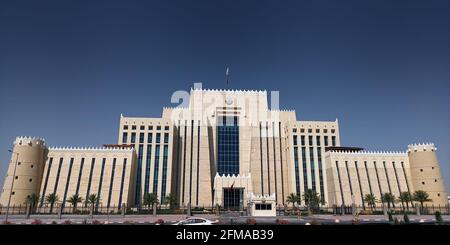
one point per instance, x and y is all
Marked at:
(215, 143)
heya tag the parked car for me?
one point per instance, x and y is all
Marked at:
(196, 221)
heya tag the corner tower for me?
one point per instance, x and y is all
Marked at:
(25, 170)
(426, 173)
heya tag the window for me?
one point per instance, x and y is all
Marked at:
(158, 138)
(158, 128)
(150, 136)
(32, 166)
(421, 170)
(305, 171)
(325, 131)
(18, 163)
(318, 140)
(310, 140)
(150, 127)
(317, 131)
(164, 173)
(312, 168)
(309, 130)
(16, 177)
(333, 140)
(125, 127)
(13, 193)
(303, 139)
(295, 139)
(228, 145)
(332, 131)
(30, 180)
(166, 138)
(133, 138)
(133, 127)
(423, 182)
(141, 138)
(156, 169)
(166, 128)
(297, 176)
(125, 138)
(435, 180)
(439, 194)
(325, 139)
(432, 167)
(302, 130)
(142, 127)
(232, 198)
(263, 206)
(294, 130)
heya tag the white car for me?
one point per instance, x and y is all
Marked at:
(196, 221)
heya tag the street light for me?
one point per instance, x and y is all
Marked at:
(12, 185)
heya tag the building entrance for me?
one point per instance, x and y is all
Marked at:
(233, 198)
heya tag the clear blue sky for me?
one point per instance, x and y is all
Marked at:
(69, 68)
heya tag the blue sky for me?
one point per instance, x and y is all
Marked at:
(69, 68)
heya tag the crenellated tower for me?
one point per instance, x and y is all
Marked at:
(426, 173)
(25, 170)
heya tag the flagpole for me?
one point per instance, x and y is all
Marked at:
(227, 75)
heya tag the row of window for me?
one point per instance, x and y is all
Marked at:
(310, 130)
(263, 206)
(142, 127)
(311, 142)
(142, 138)
(228, 146)
(305, 170)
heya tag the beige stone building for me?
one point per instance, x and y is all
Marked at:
(222, 147)
(352, 174)
(37, 169)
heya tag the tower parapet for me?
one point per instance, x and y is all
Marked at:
(426, 173)
(25, 170)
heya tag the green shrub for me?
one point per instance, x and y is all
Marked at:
(438, 217)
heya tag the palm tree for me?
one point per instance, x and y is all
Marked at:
(293, 198)
(51, 199)
(171, 199)
(74, 200)
(32, 200)
(92, 200)
(311, 198)
(388, 198)
(370, 199)
(405, 197)
(421, 196)
(150, 199)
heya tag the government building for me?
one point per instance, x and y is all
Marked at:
(224, 147)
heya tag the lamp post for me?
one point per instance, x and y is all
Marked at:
(12, 185)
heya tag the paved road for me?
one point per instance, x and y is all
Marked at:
(106, 219)
(150, 219)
